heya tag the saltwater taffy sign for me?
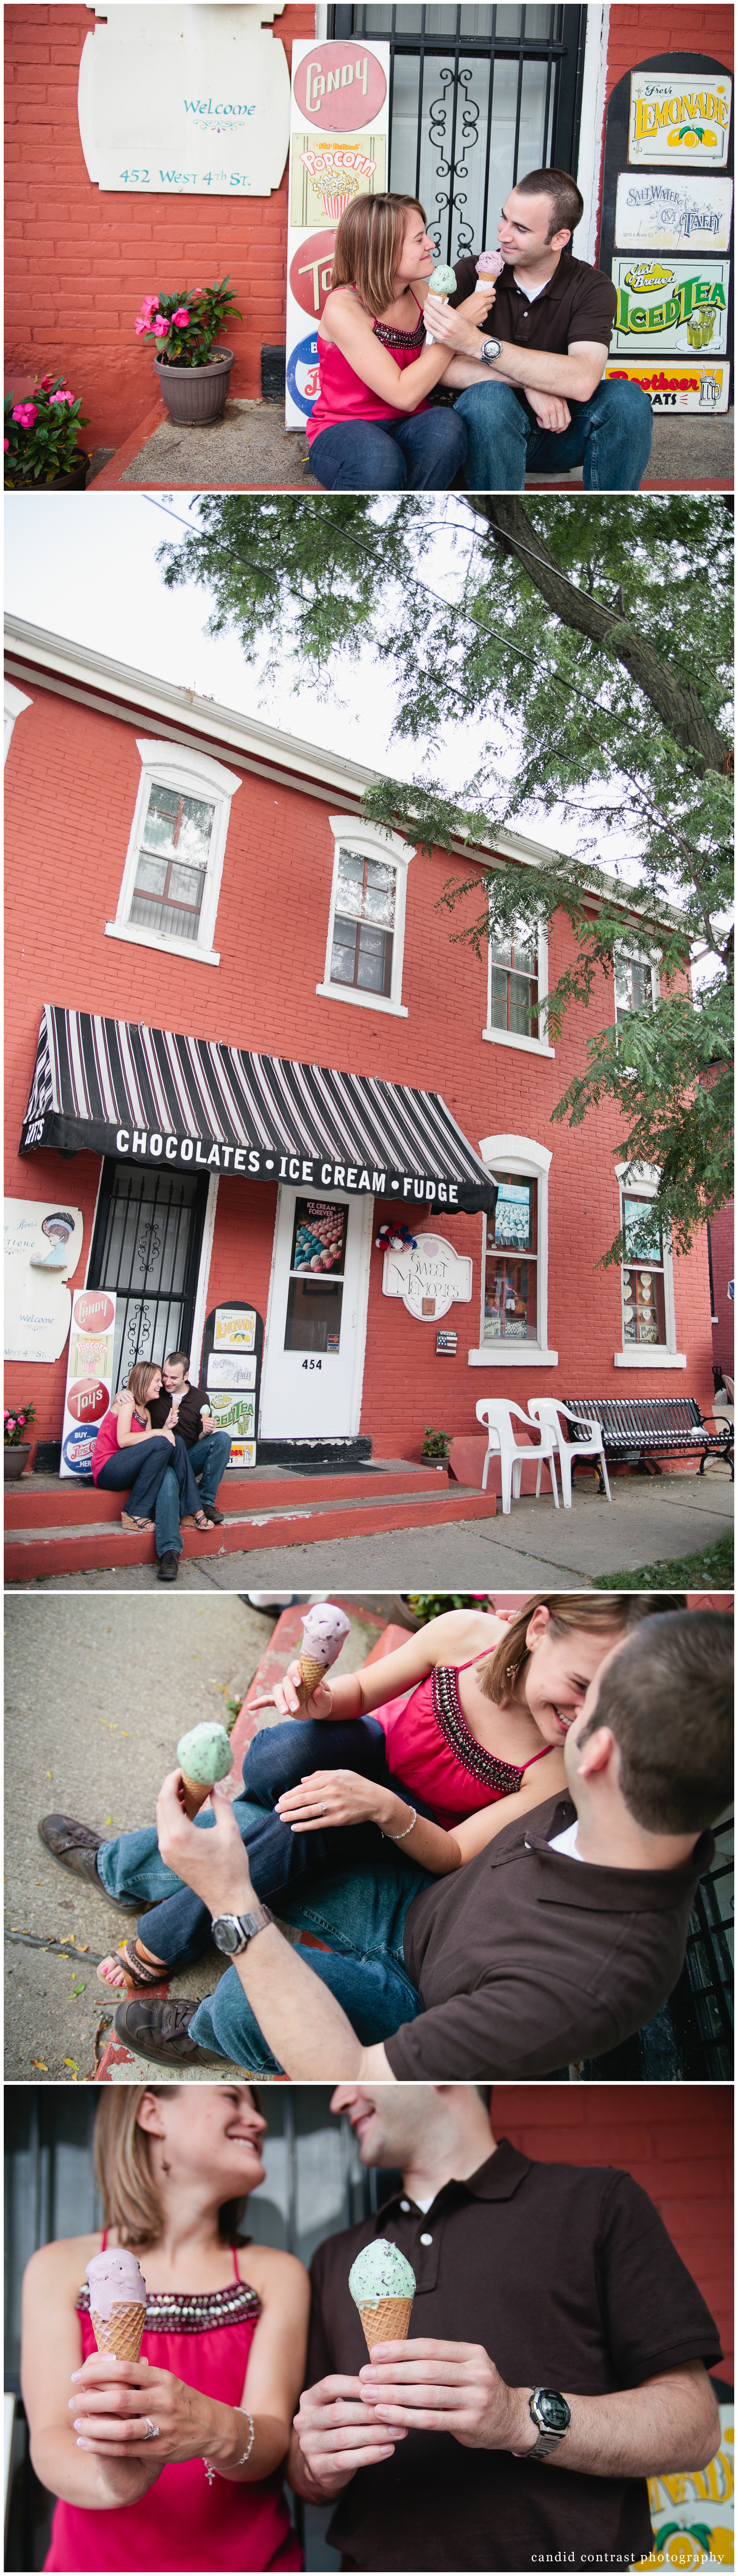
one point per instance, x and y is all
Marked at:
(664, 212)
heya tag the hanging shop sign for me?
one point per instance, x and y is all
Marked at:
(89, 1378)
(675, 117)
(232, 1347)
(663, 305)
(184, 100)
(429, 1276)
(339, 148)
(667, 213)
(42, 1245)
(677, 384)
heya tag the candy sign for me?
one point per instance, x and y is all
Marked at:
(429, 1276)
(338, 153)
(89, 1387)
(336, 83)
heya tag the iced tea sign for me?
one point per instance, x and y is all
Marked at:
(338, 152)
(89, 1378)
(429, 1276)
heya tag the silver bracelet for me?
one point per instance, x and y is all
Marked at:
(246, 2455)
(401, 1838)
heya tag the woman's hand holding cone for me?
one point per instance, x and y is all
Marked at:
(115, 2400)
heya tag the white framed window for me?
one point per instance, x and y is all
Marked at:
(513, 1324)
(637, 980)
(366, 921)
(174, 862)
(647, 1279)
(517, 981)
(15, 705)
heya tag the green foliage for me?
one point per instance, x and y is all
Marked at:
(209, 312)
(41, 434)
(711, 1569)
(436, 1444)
(593, 634)
(433, 1605)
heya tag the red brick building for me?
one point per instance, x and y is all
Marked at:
(78, 260)
(337, 1064)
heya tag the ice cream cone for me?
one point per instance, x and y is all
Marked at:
(121, 2332)
(388, 2321)
(311, 1673)
(195, 1794)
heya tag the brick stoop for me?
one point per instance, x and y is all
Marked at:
(53, 1528)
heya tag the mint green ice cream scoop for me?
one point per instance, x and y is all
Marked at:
(205, 1754)
(442, 281)
(380, 2272)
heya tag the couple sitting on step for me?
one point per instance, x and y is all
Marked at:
(157, 1437)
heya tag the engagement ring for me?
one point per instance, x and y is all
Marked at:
(152, 2431)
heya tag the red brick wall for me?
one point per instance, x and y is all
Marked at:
(677, 2143)
(68, 760)
(722, 1237)
(637, 35)
(79, 259)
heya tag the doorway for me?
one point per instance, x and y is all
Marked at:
(316, 1325)
(146, 1249)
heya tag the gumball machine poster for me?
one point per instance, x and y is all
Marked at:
(339, 150)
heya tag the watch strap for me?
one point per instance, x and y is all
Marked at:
(249, 1925)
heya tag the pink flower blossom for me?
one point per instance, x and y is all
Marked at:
(63, 396)
(160, 326)
(149, 303)
(21, 1419)
(45, 384)
(10, 1422)
(142, 323)
(181, 317)
(25, 414)
(6, 444)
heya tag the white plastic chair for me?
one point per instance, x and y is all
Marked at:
(502, 1444)
(545, 1410)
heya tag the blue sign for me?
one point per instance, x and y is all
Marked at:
(303, 380)
(78, 1450)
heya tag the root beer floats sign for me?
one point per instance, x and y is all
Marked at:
(338, 151)
(667, 118)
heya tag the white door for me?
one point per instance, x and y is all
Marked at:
(316, 1326)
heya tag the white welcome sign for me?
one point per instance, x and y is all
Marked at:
(185, 100)
(429, 1278)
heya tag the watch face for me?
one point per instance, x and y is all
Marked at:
(553, 2410)
(227, 1932)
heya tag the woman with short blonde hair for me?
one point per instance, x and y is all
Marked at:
(172, 2461)
(131, 1451)
(372, 427)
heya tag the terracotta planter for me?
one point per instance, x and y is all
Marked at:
(195, 395)
(16, 1460)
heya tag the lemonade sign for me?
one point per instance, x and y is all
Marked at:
(671, 121)
(692, 2513)
(671, 306)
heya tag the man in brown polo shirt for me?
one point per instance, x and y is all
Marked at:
(561, 1939)
(535, 397)
(186, 1409)
(543, 2282)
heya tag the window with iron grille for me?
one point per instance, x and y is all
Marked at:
(146, 1247)
(363, 923)
(477, 96)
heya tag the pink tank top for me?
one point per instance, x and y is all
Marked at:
(431, 1749)
(107, 1441)
(190, 2519)
(344, 395)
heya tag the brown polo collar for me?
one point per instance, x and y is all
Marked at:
(497, 2179)
(562, 1880)
(555, 286)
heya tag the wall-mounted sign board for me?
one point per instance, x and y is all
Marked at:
(232, 1347)
(89, 1378)
(184, 100)
(429, 1277)
(339, 146)
(678, 306)
(667, 213)
(678, 384)
(677, 120)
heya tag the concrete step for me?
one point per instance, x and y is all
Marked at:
(62, 1546)
(38, 1501)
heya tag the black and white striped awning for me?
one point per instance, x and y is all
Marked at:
(146, 1096)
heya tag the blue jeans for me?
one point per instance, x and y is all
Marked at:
(425, 452)
(211, 1454)
(361, 1915)
(612, 433)
(161, 1484)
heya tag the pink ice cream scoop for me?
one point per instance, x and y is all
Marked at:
(489, 264)
(323, 1631)
(115, 2277)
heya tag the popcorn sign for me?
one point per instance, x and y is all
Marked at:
(338, 152)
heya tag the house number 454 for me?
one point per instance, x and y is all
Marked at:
(312, 1364)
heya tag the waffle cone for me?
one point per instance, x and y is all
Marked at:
(387, 2322)
(311, 1672)
(121, 2332)
(195, 1794)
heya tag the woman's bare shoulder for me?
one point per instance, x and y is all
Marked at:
(62, 2266)
(270, 2272)
(462, 1633)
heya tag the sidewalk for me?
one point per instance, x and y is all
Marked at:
(95, 1704)
(249, 450)
(649, 1519)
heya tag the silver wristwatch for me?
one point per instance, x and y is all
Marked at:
(233, 1932)
(552, 2417)
(490, 349)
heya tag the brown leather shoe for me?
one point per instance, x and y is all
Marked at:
(75, 1847)
(162, 2030)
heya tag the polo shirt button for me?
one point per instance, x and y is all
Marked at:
(404, 2204)
(426, 2240)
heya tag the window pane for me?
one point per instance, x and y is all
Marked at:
(503, 954)
(635, 1212)
(498, 1003)
(186, 885)
(171, 920)
(319, 1237)
(151, 875)
(510, 1304)
(313, 1315)
(641, 982)
(523, 992)
(343, 956)
(195, 828)
(633, 986)
(643, 1306)
(161, 818)
(515, 1213)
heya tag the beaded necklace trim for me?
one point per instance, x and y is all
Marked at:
(173, 2312)
(449, 1715)
(392, 339)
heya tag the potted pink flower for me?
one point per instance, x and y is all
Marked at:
(16, 1447)
(192, 374)
(41, 451)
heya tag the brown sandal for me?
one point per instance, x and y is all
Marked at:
(140, 1975)
(127, 1523)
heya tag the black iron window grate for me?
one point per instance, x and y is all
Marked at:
(477, 96)
(147, 1250)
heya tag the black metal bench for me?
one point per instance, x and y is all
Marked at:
(651, 1426)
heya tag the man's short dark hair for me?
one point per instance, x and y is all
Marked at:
(668, 1698)
(177, 1359)
(567, 204)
